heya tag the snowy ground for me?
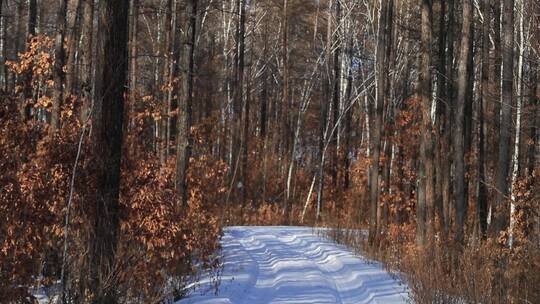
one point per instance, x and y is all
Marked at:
(293, 265)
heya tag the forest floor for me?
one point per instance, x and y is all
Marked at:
(294, 265)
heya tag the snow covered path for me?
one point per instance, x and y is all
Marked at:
(292, 265)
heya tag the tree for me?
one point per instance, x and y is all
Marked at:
(3, 70)
(59, 62)
(185, 113)
(113, 21)
(501, 218)
(459, 121)
(87, 58)
(426, 193)
(384, 42)
(482, 109)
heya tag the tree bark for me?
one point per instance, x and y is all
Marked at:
(134, 49)
(58, 69)
(425, 215)
(73, 48)
(501, 219)
(185, 113)
(87, 58)
(32, 19)
(285, 94)
(3, 33)
(441, 104)
(243, 102)
(448, 121)
(336, 92)
(534, 129)
(481, 207)
(516, 166)
(458, 135)
(108, 147)
(348, 118)
(381, 72)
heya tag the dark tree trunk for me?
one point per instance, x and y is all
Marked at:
(336, 97)
(425, 215)
(87, 58)
(493, 111)
(285, 95)
(3, 32)
(448, 113)
(348, 118)
(264, 100)
(442, 100)
(168, 75)
(134, 49)
(240, 95)
(72, 50)
(185, 113)
(108, 136)
(534, 129)
(58, 69)
(382, 70)
(534, 100)
(32, 18)
(501, 219)
(482, 109)
(458, 135)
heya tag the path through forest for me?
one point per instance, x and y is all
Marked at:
(294, 265)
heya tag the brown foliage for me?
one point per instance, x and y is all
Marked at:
(160, 242)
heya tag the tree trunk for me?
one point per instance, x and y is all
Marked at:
(285, 92)
(381, 72)
(324, 116)
(134, 49)
(534, 101)
(87, 58)
(348, 118)
(58, 69)
(264, 94)
(458, 135)
(481, 207)
(441, 104)
(184, 138)
(32, 18)
(336, 92)
(427, 179)
(240, 96)
(501, 179)
(448, 113)
(494, 111)
(72, 50)
(3, 32)
(517, 137)
(168, 70)
(108, 136)
(534, 129)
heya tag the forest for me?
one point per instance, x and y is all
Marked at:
(133, 133)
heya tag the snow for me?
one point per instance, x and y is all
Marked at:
(294, 265)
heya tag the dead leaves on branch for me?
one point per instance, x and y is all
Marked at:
(160, 241)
